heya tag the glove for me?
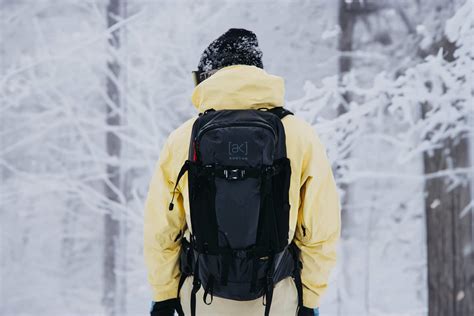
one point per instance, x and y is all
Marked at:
(167, 308)
(305, 311)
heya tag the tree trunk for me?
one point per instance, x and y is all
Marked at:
(346, 20)
(113, 145)
(449, 237)
(346, 23)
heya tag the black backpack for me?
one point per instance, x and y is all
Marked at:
(239, 178)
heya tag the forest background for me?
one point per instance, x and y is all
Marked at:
(89, 91)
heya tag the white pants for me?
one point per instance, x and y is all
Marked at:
(284, 303)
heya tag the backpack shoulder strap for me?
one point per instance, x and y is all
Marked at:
(280, 111)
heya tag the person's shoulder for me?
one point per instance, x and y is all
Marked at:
(182, 133)
(297, 127)
(298, 122)
(177, 144)
(302, 138)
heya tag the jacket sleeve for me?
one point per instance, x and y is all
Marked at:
(162, 228)
(318, 222)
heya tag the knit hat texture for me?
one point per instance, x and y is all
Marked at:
(234, 47)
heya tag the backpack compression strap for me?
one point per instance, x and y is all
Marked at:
(280, 111)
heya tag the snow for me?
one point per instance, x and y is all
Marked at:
(53, 158)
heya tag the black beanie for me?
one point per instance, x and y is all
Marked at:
(234, 47)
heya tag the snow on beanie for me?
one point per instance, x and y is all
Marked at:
(234, 47)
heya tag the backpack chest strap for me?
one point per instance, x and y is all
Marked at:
(238, 173)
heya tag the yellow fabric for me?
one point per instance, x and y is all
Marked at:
(314, 214)
(239, 87)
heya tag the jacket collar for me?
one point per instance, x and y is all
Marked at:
(239, 87)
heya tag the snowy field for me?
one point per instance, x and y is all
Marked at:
(382, 107)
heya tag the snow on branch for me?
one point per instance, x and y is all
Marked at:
(416, 113)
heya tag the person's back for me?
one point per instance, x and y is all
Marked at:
(234, 79)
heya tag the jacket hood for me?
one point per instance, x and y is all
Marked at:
(239, 87)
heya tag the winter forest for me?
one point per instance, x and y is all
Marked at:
(89, 91)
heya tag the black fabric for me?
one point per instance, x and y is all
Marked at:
(275, 207)
(196, 287)
(287, 264)
(209, 291)
(167, 308)
(223, 117)
(241, 141)
(234, 47)
(268, 300)
(281, 112)
(280, 202)
(253, 280)
(238, 181)
(298, 265)
(226, 261)
(240, 273)
(186, 263)
(269, 285)
(202, 203)
(305, 311)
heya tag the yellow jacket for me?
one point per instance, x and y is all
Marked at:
(315, 211)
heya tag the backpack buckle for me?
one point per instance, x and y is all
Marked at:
(234, 174)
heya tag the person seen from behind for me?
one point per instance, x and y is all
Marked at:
(242, 214)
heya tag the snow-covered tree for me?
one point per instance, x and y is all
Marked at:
(54, 159)
(402, 121)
